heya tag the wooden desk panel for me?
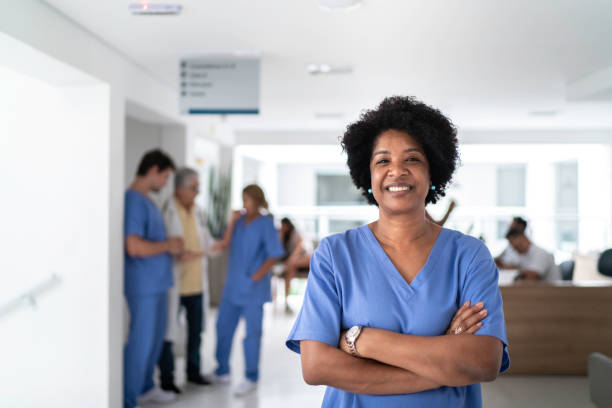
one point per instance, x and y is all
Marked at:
(552, 329)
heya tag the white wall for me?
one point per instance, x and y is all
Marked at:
(141, 137)
(54, 166)
(41, 27)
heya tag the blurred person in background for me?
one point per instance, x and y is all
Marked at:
(190, 269)
(254, 247)
(509, 258)
(297, 256)
(148, 276)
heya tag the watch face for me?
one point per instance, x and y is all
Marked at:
(353, 331)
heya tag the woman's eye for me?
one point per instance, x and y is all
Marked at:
(382, 161)
(413, 159)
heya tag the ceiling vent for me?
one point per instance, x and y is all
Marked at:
(144, 8)
(543, 112)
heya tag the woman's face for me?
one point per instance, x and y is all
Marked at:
(249, 204)
(399, 172)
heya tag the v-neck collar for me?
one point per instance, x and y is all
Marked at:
(424, 273)
(245, 224)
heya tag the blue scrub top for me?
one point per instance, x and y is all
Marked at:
(353, 282)
(152, 274)
(252, 244)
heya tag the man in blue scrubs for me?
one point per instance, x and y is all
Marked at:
(148, 276)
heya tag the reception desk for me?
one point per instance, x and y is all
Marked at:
(552, 328)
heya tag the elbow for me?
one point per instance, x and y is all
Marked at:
(489, 370)
(131, 247)
(311, 374)
(313, 369)
(311, 378)
(131, 251)
(489, 374)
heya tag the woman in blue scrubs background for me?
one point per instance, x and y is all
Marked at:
(401, 312)
(254, 249)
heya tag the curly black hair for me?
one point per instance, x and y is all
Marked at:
(428, 126)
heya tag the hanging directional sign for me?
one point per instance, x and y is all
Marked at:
(219, 85)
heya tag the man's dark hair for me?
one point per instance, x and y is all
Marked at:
(428, 126)
(514, 232)
(154, 158)
(520, 222)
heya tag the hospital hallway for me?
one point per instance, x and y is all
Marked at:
(438, 173)
(281, 383)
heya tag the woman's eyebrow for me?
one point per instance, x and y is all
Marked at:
(412, 149)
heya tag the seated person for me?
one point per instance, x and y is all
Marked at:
(296, 256)
(534, 263)
(509, 258)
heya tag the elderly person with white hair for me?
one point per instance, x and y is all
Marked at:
(183, 218)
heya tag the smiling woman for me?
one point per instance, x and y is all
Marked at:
(401, 312)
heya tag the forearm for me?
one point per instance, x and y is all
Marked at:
(264, 268)
(447, 360)
(140, 248)
(330, 366)
(529, 275)
(225, 241)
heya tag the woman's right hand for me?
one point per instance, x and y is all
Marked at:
(468, 319)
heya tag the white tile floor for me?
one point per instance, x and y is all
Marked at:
(281, 383)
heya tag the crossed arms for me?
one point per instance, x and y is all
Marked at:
(394, 363)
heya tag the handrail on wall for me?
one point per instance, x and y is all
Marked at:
(29, 296)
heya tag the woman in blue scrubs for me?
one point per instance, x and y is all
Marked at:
(254, 249)
(401, 312)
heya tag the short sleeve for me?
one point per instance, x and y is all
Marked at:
(135, 216)
(481, 285)
(319, 318)
(537, 262)
(272, 244)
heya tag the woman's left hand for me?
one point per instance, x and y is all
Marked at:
(468, 319)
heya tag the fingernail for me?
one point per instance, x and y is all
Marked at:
(483, 312)
(467, 302)
(480, 304)
(479, 324)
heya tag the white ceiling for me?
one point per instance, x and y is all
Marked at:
(486, 63)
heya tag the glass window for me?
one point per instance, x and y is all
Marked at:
(511, 185)
(337, 189)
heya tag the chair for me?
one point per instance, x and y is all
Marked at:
(600, 372)
(604, 264)
(567, 270)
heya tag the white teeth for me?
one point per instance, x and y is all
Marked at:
(397, 188)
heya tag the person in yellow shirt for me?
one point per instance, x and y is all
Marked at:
(183, 218)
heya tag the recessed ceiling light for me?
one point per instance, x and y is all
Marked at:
(544, 112)
(154, 9)
(329, 115)
(318, 69)
(339, 5)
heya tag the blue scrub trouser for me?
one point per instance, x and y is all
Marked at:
(227, 320)
(148, 315)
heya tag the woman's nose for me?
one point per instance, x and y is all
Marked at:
(398, 168)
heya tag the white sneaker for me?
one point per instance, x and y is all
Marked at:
(157, 395)
(218, 379)
(245, 387)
